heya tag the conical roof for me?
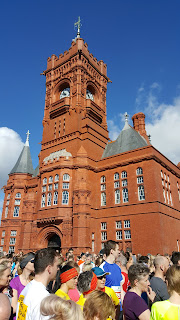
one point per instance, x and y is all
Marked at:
(24, 162)
(129, 139)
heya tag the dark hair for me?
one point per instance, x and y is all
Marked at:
(175, 257)
(108, 246)
(136, 272)
(143, 259)
(43, 258)
(84, 281)
(70, 249)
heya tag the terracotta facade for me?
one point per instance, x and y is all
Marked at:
(73, 199)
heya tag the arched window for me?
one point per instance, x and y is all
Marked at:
(50, 179)
(55, 201)
(49, 198)
(116, 176)
(65, 197)
(66, 177)
(117, 196)
(103, 179)
(56, 177)
(103, 199)
(43, 200)
(18, 195)
(123, 174)
(44, 180)
(141, 193)
(139, 171)
(125, 195)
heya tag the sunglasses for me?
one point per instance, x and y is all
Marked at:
(102, 277)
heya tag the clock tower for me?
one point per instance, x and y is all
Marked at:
(75, 104)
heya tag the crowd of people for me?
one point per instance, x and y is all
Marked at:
(111, 285)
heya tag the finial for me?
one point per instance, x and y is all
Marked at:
(149, 137)
(78, 25)
(126, 117)
(27, 139)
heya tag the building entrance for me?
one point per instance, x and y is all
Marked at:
(54, 241)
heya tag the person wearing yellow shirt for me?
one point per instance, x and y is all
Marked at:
(68, 278)
(169, 309)
(101, 276)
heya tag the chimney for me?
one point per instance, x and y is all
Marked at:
(139, 125)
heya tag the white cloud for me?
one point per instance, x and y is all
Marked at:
(10, 149)
(162, 120)
(164, 128)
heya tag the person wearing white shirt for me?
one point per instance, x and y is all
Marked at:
(46, 266)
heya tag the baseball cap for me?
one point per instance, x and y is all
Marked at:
(99, 272)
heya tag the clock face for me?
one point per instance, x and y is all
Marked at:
(89, 95)
(65, 93)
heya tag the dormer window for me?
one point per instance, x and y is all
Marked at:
(65, 93)
(89, 95)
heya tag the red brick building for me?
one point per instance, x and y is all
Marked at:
(86, 189)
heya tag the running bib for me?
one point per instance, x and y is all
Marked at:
(117, 290)
(22, 309)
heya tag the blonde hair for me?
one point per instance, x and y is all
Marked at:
(98, 304)
(60, 309)
(3, 266)
(173, 279)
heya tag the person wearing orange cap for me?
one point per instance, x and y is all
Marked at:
(68, 278)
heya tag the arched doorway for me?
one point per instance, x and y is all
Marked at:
(54, 242)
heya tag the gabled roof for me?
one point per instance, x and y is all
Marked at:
(24, 162)
(129, 139)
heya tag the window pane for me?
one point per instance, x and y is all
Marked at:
(118, 225)
(126, 223)
(127, 234)
(55, 201)
(44, 180)
(119, 235)
(18, 195)
(49, 198)
(13, 233)
(117, 196)
(125, 195)
(123, 174)
(141, 193)
(124, 183)
(65, 197)
(139, 171)
(116, 184)
(103, 187)
(140, 179)
(103, 179)
(103, 199)
(16, 212)
(56, 177)
(43, 200)
(103, 225)
(103, 235)
(116, 176)
(65, 185)
(66, 177)
(17, 202)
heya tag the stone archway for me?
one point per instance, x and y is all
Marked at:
(49, 236)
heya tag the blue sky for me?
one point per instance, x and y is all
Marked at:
(137, 39)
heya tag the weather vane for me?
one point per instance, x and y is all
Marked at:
(126, 116)
(78, 26)
(27, 139)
